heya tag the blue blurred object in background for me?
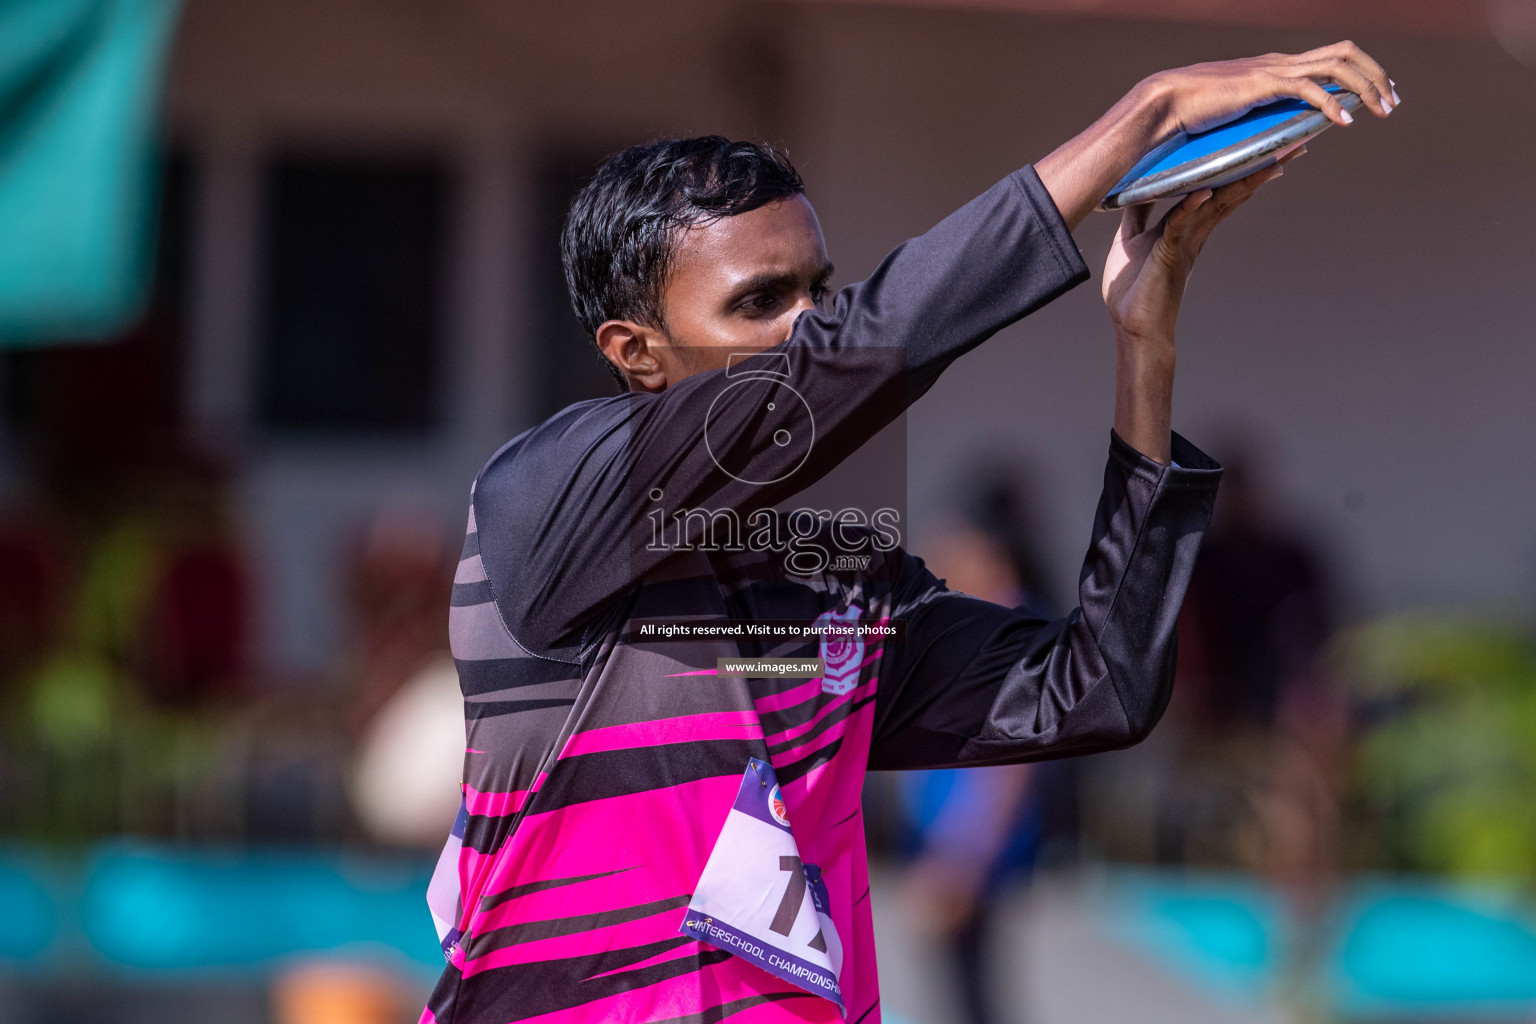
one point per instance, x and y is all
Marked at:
(145, 908)
(1219, 930)
(1436, 950)
(154, 908)
(1393, 949)
(29, 912)
(80, 84)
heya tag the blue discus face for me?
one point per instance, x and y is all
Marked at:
(1186, 163)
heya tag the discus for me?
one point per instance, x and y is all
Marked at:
(1188, 163)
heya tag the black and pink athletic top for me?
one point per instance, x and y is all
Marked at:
(602, 760)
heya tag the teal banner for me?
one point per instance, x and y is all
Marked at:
(80, 90)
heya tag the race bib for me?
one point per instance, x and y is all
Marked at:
(758, 900)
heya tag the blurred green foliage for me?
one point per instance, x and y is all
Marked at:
(1445, 773)
(84, 751)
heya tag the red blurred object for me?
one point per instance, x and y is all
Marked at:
(30, 586)
(196, 625)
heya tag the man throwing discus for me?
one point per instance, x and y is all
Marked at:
(648, 834)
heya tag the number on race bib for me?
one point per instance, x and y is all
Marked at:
(759, 900)
(794, 895)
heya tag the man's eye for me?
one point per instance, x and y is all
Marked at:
(757, 305)
(819, 293)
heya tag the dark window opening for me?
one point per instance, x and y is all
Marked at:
(351, 319)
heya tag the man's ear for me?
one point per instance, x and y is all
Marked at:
(633, 348)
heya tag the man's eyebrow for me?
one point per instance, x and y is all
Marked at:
(773, 280)
(769, 281)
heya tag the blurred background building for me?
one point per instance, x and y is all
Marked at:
(226, 521)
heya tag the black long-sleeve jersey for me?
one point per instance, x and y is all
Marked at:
(603, 759)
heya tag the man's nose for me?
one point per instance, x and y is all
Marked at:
(802, 304)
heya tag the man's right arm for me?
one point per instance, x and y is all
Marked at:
(974, 683)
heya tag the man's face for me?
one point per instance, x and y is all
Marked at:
(736, 285)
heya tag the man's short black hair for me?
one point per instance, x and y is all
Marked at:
(621, 230)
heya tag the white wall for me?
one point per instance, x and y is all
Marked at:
(1369, 318)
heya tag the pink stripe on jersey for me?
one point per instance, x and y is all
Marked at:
(586, 835)
(589, 897)
(665, 833)
(815, 743)
(789, 698)
(834, 732)
(826, 794)
(718, 725)
(659, 927)
(493, 805)
(804, 692)
(724, 982)
(857, 693)
(686, 950)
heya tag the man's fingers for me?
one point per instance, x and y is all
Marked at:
(1348, 76)
(1188, 232)
(1133, 220)
(1354, 69)
(1320, 98)
(1344, 49)
(1183, 230)
(1366, 63)
(1377, 76)
(1177, 220)
(1292, 154)
(1229, 197)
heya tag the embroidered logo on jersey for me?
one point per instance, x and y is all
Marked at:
(842, 652)
(776, 807)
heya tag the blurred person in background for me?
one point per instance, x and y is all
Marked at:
(1260, 717)
(972, 831)
(1261, 724)
(376, 752)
